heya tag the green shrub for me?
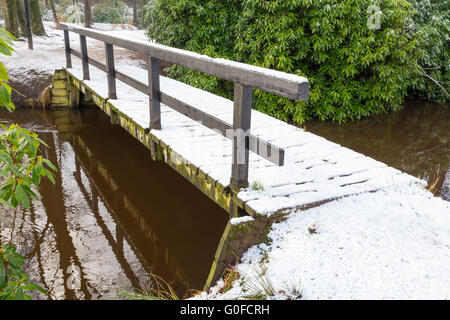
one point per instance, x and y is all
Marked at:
(353, 70)
(110, 11)
(432, 26)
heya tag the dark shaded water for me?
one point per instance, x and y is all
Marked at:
(415, 140)
(114, 214)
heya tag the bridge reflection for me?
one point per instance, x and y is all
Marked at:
(113, 213)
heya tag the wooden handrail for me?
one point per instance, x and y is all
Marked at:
(280, 83)
(244, 76)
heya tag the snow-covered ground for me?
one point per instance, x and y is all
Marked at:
(48, 53)
(382, 237)
(389, 244)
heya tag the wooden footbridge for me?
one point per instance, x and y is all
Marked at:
(247, 162)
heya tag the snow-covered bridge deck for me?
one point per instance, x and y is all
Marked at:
(315, 169)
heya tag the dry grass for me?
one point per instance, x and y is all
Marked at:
(435, 181)
(230, 275)
(159, 289)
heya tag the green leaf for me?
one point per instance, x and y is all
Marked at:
(3, 73)
(6, 35)
(26, 202)
(6, 203)
(16, 260)
(20, 294)
(48, 162)
(31, 192)
(49, 175)
(5, 49)
(4, 173)
(5, 97)
(6, 294)
(33, 286)
(19, 194)
(36, 175)
(3, 277)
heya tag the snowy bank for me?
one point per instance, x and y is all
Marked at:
(31, 70)
(389, 244)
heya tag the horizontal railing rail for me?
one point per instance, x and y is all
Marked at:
(245, 77)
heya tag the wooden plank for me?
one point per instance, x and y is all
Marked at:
(67, 49)
(153, 93)
(75, 53)
(136, 84)
(84, 57)
(95, 63)
(280, 83)
(241, 124)
(264, 149)
(195, 114)
(109, 55)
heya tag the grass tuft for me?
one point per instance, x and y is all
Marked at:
(257, 185)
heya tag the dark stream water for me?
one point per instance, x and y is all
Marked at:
(114, 215)
(415, 140)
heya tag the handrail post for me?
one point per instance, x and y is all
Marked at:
(28, 24)
(84, 57)
(154, 94)
(67, 49)
(241, 125)
(111, 71)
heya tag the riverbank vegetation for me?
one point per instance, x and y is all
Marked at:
(21, 169)
(361, 58)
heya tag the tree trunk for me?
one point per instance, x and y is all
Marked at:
(144, 2)
(4, 9)
(55, 15)
(134, 13)
(21, 18)
(12, 22)
(87, 14)
(37, 26)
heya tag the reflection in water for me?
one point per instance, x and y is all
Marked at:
(415, 140)
(113, 214)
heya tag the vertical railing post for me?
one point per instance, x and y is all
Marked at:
(27, 17)
(241, 126)
(84, 57)
(111, 71)
(67, 49)
(154, 96)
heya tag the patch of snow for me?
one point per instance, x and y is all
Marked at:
(239, 220)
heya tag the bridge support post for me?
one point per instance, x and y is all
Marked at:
(241, 135)
(74, 95)
(67, 49)
(111, 71)
(154, 94)
(236, 239)
(84, 58)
